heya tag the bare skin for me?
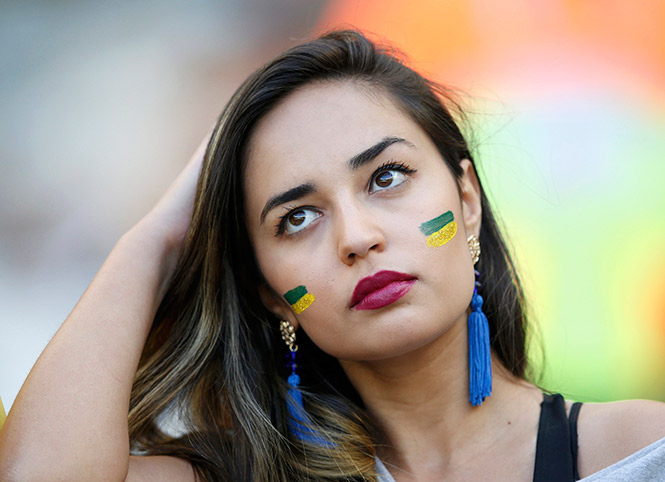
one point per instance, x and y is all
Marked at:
(69, 422)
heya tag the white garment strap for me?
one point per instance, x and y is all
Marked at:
(381, 471)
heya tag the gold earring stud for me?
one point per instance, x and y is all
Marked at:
(474, 248)
(288, 334)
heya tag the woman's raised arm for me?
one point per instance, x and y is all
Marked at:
(69, 421)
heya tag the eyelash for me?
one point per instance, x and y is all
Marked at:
(390, 166)
(387, 166)
(279, 227)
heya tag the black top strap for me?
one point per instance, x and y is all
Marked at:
(556, 446)
(572, 427)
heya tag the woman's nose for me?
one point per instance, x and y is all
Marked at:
(359, 233)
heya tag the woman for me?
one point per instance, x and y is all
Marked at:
(338, 202)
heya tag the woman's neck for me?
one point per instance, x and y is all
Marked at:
(421, 402)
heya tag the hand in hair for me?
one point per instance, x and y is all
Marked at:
(69, 421)
(168, 221)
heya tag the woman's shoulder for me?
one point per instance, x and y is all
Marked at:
(610, 432)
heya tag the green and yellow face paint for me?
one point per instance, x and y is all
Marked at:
(299, 299)
(439, 230)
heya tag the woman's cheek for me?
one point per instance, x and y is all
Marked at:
(304, 284)
(299, 298)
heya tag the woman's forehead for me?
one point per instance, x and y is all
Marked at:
(321, 125)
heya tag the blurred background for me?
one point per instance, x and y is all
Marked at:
(101, 104)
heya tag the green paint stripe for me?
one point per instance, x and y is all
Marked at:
(295, 294)
(434, 225)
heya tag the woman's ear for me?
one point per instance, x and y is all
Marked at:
(470, 197)
(277, 305)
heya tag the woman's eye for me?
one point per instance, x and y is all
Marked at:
(298, 220)
(386, 179)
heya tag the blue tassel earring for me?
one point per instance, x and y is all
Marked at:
(480, 362)
(298, 420)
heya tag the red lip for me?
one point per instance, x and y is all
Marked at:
(381, 289)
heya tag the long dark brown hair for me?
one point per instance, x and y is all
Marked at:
(214, 358)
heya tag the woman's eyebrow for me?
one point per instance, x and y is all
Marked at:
(369, 154)
(287, 196)
(353, 163)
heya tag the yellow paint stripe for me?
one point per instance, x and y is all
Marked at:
(443, 235)
(303, 303)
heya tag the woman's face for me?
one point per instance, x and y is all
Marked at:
(338, 182)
